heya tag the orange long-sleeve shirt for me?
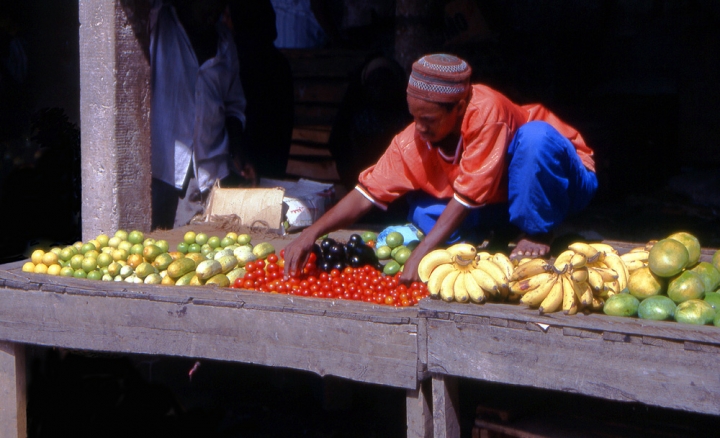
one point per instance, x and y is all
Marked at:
(478, 175)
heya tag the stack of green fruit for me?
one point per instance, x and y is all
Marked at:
(131, 257)
(394, 253)
(671, 283)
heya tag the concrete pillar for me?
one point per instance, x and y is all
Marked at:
(114, 121)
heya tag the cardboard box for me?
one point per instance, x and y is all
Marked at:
(277, 205)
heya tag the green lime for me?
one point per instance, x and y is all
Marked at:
(87, 247)
(114, 242)
(148, 241)
(394, 239)
(391, 268)
(89, 263)
(243, 239)
(94, 275)
(227, 241)
(136, 248)
(402, 254)
(368, 236)
(66, 253)
(182, 247)
(126, 245)
(104, 260)
(214, 241)
(79, 273)
(189, 237)
(194, 247)
(201, 238)
(163, 245)
(67, 271)
(76, 261)
(232, 235)
(383, 252)
(205, 249)
(120, 254)
(121, 234)
(136, 236)
(103, 240)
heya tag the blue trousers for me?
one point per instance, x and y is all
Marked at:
(546, 183)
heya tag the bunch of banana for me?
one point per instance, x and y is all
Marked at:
(581, 277)
(459, 273)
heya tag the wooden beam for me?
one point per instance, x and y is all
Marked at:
(445, 406)
(13, 399)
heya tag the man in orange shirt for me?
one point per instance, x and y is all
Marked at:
(472, 161)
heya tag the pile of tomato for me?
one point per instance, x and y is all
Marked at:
(364, 283)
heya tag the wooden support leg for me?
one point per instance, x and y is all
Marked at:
(446, 420)
(13, 401)
(418, 411)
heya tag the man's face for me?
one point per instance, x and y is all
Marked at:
(433, 121)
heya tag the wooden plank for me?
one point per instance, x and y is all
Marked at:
(594, 321)
(312, 134)
(364, 351)
(320, 91)
(418, 412)
(13, 396)
(615, 367)
(328, 63)
(445, 406)
(319, 170)
(298, 150)
(315, 114)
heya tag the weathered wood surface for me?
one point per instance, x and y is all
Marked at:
(445, 406)
(13, 395)
(357, 341)
(658, 363)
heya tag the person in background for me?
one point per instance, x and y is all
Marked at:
(471, 162)
(198, 108)
(267, 80)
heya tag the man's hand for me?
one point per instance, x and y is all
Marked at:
(297, 252)
(410, 268)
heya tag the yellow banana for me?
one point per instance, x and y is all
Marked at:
(617, 264)
(536, 296)
(635, 255)
(594, 279)
(597, 304)
(562, 262)
(586, 298)
(525, 285)
(503, 263)
(603, 247)
(436, 278)
(612, 288)
(462, 295)
(432, 260)
(495, 272)
(483, 255)
(586, 249)
(530, 268)
(569, 302)
(578, 260)
(607, 274)
(447, 287)
(634, 265)
(553, 301)
(464, 253)
(485, 281)
(476, 293)
(579, 275)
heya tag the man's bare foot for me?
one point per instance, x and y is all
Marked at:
(532, 246)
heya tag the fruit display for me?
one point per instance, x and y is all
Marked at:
(459, 273)
(347, 270)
